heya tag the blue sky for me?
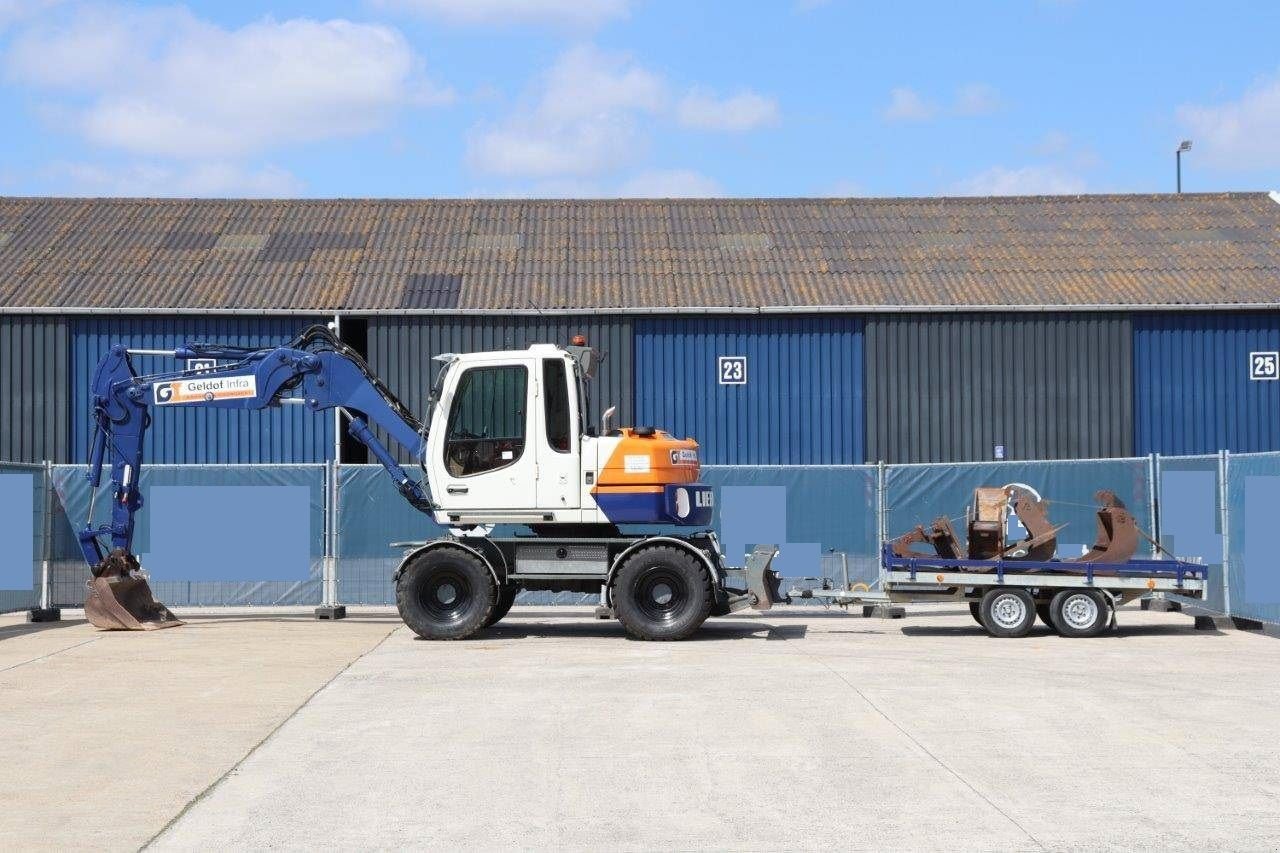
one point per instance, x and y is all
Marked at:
(634, 98)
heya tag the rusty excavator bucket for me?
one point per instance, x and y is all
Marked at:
(1041, 542)
(1117, 539)
(941, 535)
(119, 598)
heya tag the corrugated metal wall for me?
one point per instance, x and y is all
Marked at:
(1193, 391)
(192, 435)
(34, 421)
(1046, 386)
(401, 349)
(802, 401)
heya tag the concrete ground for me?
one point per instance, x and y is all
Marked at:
(793, 730)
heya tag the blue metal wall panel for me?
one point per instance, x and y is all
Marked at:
(193, 435)
(801, 404)
(1192, 391)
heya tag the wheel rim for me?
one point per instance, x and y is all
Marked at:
(661, 594)
(1008, 610)
(446, 596)
(1080, 611)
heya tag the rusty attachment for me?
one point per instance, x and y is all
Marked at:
(941, 535)
(1117, 539)
(119, 597)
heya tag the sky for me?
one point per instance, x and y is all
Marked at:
(636, 98)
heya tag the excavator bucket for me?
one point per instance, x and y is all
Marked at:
(119, 598)
(1117, 540)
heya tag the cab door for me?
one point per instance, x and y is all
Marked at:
(559, 438)
(487, 461)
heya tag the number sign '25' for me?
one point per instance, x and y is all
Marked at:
(1264, 365)
(733, 369)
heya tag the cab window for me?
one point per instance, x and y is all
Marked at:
(487, 421)
(555, 392)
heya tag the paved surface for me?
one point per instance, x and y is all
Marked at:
(796, 731)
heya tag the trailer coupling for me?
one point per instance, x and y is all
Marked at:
(763, 584)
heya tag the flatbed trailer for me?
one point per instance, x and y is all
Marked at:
(1006, 596)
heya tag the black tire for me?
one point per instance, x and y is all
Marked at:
(662, 593)
(1008, 611)
(975, 610)
(1045, 613)
(506, 598)
(1080, 612)
(446, 594)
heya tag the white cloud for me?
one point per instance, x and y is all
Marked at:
(1239, 134)
(16, 11)
(1026, 180)
(1055, 143)
(565, 13)
(161, 82)
(746, 110)
(976, 99)
(906, 105)
(670, 183)
(585, 120)
(186, 180)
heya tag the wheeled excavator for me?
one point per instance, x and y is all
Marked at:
(506, 443)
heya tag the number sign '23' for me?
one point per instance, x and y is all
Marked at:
(732, 369)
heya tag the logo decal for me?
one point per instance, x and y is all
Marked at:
(206, 390)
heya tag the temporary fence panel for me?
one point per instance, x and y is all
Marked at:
(755, 390)
(917, 494)
(1253, 570)
(209, 535)
(22, 524)
(195, 434)
(371, 514)
(808, 511)
(1191, 516)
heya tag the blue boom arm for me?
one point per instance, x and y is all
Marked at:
(315, 370)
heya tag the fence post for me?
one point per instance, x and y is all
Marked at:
(1153, 490)
(882, 523)
(1224, 458)
(329, 607)
(44, 611)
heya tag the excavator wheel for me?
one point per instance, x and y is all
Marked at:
(506, 598)
(446, 594)
(662, 593)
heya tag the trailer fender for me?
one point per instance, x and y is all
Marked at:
(652, 540)
(499, 577)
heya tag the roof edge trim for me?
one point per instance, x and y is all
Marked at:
(709, 309)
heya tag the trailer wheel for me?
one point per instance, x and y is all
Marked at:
(506, 598)
(1045, 612)
(661, 593)
(1008, 611)
(975, 610)
(445, 594)
(1079, 613)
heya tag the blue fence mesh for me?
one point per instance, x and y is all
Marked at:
(241, 534)
(22, 526)
(916, 494)
(210, 535)
(1253, 567)
(1191, 517)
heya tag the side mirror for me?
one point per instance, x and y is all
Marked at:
(605, 418)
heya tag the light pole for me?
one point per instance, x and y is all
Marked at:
(1185, 145)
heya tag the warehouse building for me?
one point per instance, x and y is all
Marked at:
(776, 331)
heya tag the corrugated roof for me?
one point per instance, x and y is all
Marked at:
(519, 255)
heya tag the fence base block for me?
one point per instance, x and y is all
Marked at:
(883, 611)
(44, 614)
(1243, 624)
(1164, 605)
(337, 611)
(602, 612)
(1212, 623)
